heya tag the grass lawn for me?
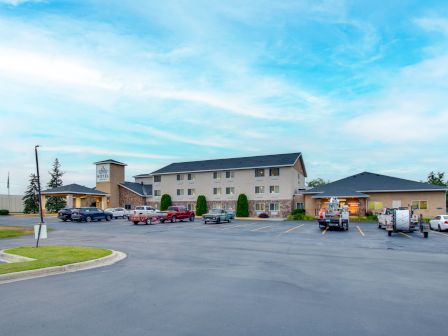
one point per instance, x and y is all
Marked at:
(15, 231)
(48, 256)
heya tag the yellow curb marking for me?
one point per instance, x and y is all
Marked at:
(264, 227)
(325, 231)
(360, 231)
(406, 235)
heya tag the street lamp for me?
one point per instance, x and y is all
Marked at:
(40, 197)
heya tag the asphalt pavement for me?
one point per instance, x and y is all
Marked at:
(242, 278)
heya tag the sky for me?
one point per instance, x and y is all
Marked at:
(353, 85)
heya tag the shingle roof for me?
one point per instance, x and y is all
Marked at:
(360, 184)
(73, 189)
(138, 188)
(276, 160)
(111, 161)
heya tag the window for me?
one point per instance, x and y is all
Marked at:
(230, 190)
(191, 177)
(180, 192)
(157, 178)
(300, 206)
(274, 206)
(259, 189)
(422, 205)
(396, 204)
(157, 192)
(217, 175)
(259, 172)
(375, 205)
(259, 206)
(274, 189)
(274, 171)
(127, 206)
(191, 192)
(216, 191)
(230, 174)
(180, 177)
(191, 206)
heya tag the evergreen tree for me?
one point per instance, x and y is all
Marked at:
(242, 206)
(31, 198)
(201, 205)
(54, 203)
(165, 202)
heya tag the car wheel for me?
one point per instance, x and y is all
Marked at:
(88, 219)
(439, 228)
(108, 218)
(135, 222)
(148, 221)
(218, 220)
(162, 221)
(173, 219)
(64, 220)
(191, 218)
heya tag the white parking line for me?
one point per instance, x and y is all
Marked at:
(233, 226)
(325, 231)
(440, 233)
(264, 227)
(294, 228)
(406, 235)
(360, 231)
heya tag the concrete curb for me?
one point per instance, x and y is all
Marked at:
(113, 258)
(13, 258)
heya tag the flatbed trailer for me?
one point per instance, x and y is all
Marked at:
(147, 219)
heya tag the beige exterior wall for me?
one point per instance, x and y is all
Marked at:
(116, 176)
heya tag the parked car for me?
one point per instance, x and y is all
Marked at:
(118, 212)
(174, 213)
(217, 216)
(439, 223)
(65, 214)
(231, 214)
(144, 210)
(90, 214)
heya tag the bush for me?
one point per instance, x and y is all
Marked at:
(165, 202)
(201, 205)
(4, 212)
(296, 212)
(299, 214)
(263, 215)
(242, 206)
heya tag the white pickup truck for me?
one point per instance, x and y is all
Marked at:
(144, 210)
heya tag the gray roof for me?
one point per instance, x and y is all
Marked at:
(276, 160)
(138, 188)
(73, 189)
(361, 184)
(111, 161)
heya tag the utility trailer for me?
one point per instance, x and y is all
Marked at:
(403, 220)
(334, 216)
(147, 218)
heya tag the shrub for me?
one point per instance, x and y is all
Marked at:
(242, 206)
(4, 212)
(263, 215)
(201, 205)
(299, 214)
(296, 212)
(165, 202)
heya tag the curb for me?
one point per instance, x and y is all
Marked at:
(113, 258)
(13, 258)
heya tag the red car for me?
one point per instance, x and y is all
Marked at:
(174, 213)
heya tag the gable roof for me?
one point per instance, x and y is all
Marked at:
(262, 161)
(138, 188)
(111, 161)
(74, 189)
(361, 184)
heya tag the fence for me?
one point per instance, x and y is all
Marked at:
(13, 203)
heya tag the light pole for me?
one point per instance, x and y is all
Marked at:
(40, 197)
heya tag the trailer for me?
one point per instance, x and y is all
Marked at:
(148, 218)
(334, 216)
(403, 220)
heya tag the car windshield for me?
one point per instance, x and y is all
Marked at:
(140, 208)
(215, 210)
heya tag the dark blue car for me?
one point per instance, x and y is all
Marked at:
(90, 214)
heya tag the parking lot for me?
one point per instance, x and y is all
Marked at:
(241, 278)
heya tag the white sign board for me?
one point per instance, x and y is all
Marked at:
(43, 231)
(103, 173)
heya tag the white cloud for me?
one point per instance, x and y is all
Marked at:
(18, 2)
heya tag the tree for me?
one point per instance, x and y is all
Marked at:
(242, 206)
(55, 203)
(437, 178)
(201, 205)
(31, 197)
(317, 182)
(165, 202)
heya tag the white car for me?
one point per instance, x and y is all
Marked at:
(144, 210)
(118, 212)
(439, 223)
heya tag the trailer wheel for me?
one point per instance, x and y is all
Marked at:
(425, 234)
(135, 222)
(148, 221)
(389, 233)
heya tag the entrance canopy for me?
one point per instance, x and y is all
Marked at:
(77, 196)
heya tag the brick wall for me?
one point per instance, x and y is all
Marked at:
(127, 197)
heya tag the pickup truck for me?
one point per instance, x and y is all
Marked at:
(217, 216)
(144, 210)
(174, 213)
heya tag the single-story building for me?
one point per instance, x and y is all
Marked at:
(78, 196)
(366, 193)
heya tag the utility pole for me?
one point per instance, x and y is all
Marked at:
(40, 197)
(9, 195)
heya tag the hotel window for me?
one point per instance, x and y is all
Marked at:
(216, 191)
(230, 174)
(180, 177)
(127, 206)
(259, 189)
(157, 192)
(216, 175)
(191, 206)
(274, 189)
(180, 192)
(375, 205)
(259, 172)
(422, 205)
(274, 171)
(300, 206)
(157, 178)
(274, 206)
(191, 177)
(191, 192)
(230, 190)
(259, 207)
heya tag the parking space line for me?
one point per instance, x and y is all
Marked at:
(294, 228)
(440, 233)
(360, 231)
(264, 227)
(233, 226)
(406, 235)
(325, 231)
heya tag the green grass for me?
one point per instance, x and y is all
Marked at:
(48, 256)
(15, 231)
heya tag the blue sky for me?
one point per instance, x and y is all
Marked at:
(354, 85)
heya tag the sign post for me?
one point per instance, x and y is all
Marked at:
(39, 231)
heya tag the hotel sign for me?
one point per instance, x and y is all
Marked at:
(103, 173)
